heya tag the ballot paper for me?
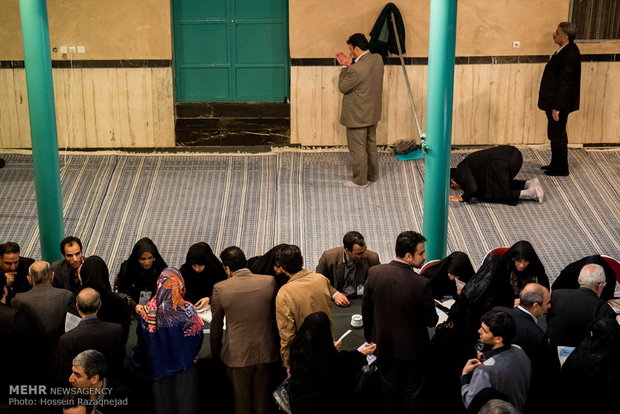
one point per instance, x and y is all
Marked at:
(369, 358)
(71, 321)
(344, 335)
(442, 316)
(206, 315)
(564, 352)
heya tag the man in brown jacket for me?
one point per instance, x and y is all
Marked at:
(249, 346)
(303, 294)
(346, 267)
(361, 83)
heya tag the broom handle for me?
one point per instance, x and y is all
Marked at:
(402, 65)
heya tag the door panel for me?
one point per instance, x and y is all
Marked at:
(231, 50)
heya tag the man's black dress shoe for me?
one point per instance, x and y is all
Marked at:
(545, 167)
(556, 173)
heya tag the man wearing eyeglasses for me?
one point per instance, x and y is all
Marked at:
(573, 311)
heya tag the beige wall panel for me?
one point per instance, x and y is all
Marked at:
(493, 104)
(330, 105)
(162, 105)
(9, 126)
(110, 29)
(23, 113)
(70, 110)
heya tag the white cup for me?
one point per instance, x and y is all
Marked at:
(356, 321)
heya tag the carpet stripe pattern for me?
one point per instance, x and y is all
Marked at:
(259, 200)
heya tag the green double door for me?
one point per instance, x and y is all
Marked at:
(231, 50)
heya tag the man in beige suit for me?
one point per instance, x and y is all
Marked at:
(346, 267)
(303, 294)
(361, 83)
(249, 346)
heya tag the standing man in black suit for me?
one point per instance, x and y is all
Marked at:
(559, 95)
(397, 308)
(91, 333)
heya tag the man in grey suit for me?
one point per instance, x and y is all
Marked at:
(346, 267)
(361, 83)
(249, 346)
(44, 306)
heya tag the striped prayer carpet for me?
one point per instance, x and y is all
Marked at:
(259, 200)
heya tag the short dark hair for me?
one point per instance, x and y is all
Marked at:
(233, 258)
(407, 242)
(88, 302)
(8, 248)
(290, 259)
(2, 284)
(501, 324)
(69, 241)
(352, 238)
(359, 40)
(569, 29)
(93, 362)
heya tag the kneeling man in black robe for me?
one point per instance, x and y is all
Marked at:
(489, 175)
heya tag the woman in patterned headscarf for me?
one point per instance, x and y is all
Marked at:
(169, 336)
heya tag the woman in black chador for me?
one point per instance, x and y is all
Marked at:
(523, 266)
(322, 379)
(264, 265)
(591, 374)
(201, 271)
(449, 275)
(139, 273)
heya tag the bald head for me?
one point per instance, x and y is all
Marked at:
(40, 272)
(88, 302)
(535, 298)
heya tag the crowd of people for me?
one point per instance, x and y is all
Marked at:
(66, 325)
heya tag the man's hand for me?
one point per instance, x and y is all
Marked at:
(369, 349)
(202, 303)
(456, 198)
(343, 59)
(470, 366)
(341, 300)
(10, 278)
(338, 345)
(555, 114)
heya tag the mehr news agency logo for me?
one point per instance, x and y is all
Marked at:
(42, 395)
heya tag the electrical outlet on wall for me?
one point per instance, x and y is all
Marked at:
(72, 49)
(516, 44)
(81, 49)
(63, 49)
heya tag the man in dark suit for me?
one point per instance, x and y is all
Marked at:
(15, 268)
(67, 270)
(13, 342)
(397, 308)
(574, 310)
(91, 333)
(249, 346)
(361, 83)
(559, 95)
(347, 267)
(534, 301)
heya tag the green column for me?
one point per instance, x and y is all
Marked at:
(37, 59)
(442, 39)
